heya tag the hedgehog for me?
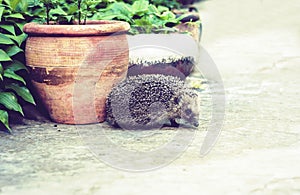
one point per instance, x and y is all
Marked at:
(151, 101)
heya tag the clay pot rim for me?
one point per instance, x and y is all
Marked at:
(92, 28)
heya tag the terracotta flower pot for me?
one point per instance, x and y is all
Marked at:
(73, 67)
(173, 54)
(195, 30)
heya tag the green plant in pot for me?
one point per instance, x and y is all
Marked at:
(74, 62)
(14, 93)
(157, 27)
(146, 17)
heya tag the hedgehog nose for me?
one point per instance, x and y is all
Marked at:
(196, 124)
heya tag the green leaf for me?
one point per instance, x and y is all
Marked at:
(19, 39)
(22, 6)
(13, 3)
(16, 66)
(5, 40)
(4, 119)
(153, 9)
(168, 15)
(3, 56)
(1, 72)
(9, 28)
(1, 13)
(140, 6)
(15, 16)
(13, 50)
(58, 11)
(32, 3)
(20, 25)
(72, 9)
(10, 101)
(115, 16)
(12, 75)
(1, 69)
(162, 8)
(22, 92)
(143, 22)
(119, 8)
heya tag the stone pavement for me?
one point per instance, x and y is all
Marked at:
(256, 47)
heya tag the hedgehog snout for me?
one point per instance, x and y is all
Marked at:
(196, 124)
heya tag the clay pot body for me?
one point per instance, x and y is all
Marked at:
(161, 54)
(73, 67)
(195, 30)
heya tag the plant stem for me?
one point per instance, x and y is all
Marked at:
(48, 15)
(79, 11)
(84, 20)
(87, 11)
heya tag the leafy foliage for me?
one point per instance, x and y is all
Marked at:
(171, 4)
(143, 16)
(13, 88)
(65, 11)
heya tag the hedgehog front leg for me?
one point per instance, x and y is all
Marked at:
(174, 123)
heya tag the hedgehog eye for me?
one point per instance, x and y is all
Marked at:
(177, 100)
(188, 111)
